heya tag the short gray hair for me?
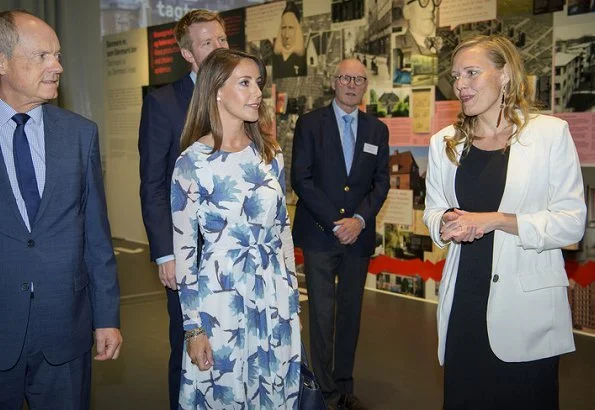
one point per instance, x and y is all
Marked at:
(9, 35)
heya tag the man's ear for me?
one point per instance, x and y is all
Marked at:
(187, 55)
(3, 63)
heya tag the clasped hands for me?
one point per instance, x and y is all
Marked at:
(462, 226)
(348, 230)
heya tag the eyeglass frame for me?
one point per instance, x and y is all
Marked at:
(351, 78)
(436, 3)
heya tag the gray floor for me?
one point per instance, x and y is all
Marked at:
(396, 365)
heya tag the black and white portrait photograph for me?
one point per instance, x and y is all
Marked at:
(289, 50)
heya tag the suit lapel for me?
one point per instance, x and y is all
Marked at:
(7, 199)
(517, 176)
(183, 89)
(186, 88)
(517, 182)
(55, 143)
(449, 175)
(330, 128)
(363, 129)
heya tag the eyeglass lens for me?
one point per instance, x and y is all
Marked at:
(346, 79)
(424, 3)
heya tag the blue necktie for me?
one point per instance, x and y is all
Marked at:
(348, 142)
(23, 165)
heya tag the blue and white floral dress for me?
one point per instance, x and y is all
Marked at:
(243, 291)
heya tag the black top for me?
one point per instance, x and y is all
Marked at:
(474, 378)
(479, 186)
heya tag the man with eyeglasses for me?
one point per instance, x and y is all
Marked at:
(421, 27)
(340, 173)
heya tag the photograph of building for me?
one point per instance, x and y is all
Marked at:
(574, 76)
(405, 173)
(582, 303)
(412, 285)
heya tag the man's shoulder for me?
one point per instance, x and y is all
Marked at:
(372, 120)
(163, 92)
(52, 112)
(316, 113)
(169, 90)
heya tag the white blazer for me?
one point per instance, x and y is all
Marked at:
(528, 316)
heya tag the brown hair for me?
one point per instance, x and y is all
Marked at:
(190, 18)
(203, 114)
(518, 104)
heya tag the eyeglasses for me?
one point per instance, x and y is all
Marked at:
(424, 3)
(346, 79)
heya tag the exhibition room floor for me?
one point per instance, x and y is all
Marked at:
(396, 365)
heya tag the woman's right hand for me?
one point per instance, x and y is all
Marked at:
(200, 352)
(455, 228)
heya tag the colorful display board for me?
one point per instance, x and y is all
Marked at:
(407, 48)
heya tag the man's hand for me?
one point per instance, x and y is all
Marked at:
(107, 343)
(348, 231)
(167, 274)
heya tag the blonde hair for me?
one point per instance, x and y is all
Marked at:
(518, 104)
(203, 114)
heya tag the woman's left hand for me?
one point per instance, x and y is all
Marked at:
(200, 352)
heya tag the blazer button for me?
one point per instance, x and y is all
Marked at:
(342, 211)
(346, 189)
(30, 243)
(495, 278)
(25, 287)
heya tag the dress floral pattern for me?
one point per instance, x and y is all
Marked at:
(243, 291)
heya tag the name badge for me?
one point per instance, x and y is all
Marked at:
(371, 148)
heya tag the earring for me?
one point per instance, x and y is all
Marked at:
(218, 98)
(501, 107)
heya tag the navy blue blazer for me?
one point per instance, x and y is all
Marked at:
(326, 193)
(162, 121)
(67, 258)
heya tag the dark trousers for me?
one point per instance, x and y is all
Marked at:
(334, 313)
(45, 386)
(176, 342)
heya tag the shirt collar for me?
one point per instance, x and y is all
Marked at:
(339, 113)
(193, 76)
(6, 113)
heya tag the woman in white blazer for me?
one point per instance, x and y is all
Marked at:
(504, 189)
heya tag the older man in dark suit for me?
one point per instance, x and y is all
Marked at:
(340, 174)
(58, 279)
(163, 115)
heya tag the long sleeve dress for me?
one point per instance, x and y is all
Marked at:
(242, 290)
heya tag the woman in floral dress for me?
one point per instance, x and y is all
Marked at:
(239, 297)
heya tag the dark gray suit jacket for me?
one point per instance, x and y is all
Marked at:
(67, 258)
(161, 125)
